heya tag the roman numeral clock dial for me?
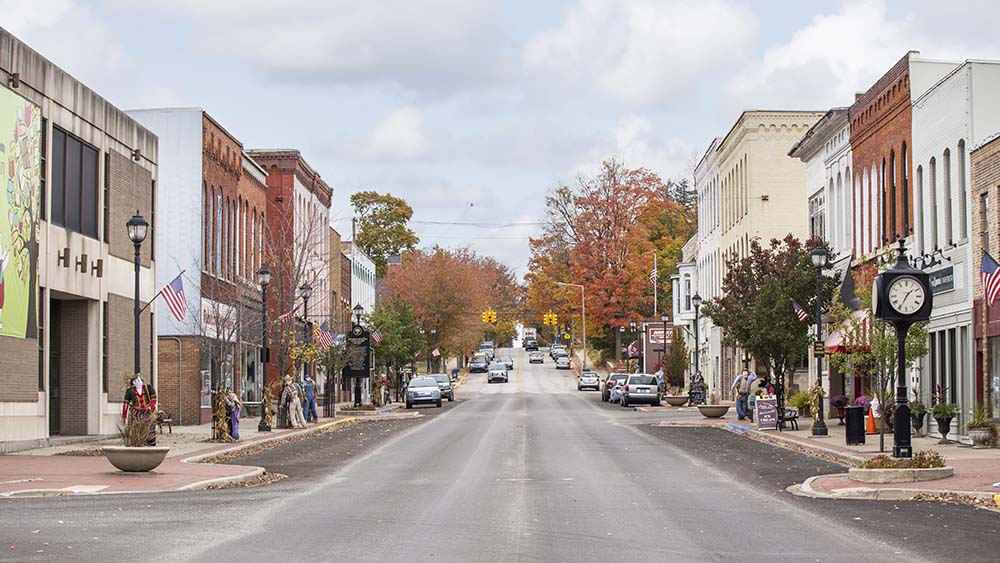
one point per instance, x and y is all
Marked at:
(906, 295)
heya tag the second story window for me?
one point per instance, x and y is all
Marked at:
(74, 183)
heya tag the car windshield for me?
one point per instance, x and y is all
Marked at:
(618, 377)
(588, 374)
(642, 380)
(498, 366)
(442, 379)
(424, 382)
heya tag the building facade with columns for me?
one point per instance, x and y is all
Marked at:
(76, 168)
(708, 262)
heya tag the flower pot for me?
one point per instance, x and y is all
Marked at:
(136, 460)
(713, 411)
(676, 400)
(944, 426)
(982, 438)
(917, 420)
(840, 415)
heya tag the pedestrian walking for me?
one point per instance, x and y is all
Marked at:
(741, 388)
(309, 395)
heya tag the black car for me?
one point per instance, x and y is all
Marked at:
(478, 364)
(531, 345)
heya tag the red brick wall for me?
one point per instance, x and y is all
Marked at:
(73, 371)
(881, 125)
(180, 383)
(984, 170)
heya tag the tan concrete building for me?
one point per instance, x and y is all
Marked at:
(76, 168)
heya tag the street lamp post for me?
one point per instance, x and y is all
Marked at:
(631, 334)
(263, 278)
(137, 228)
(663, 341)
(642, 349)
(358, 311)
(696, 301)
(621, 342)
(583, 312)
(819, 256)
(306, 292)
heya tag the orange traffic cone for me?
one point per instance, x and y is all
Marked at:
(870, 425)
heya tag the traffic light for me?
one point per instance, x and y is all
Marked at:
(555, 319)
(493, 316)
(486, 316)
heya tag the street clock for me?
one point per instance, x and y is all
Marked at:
(902, 296)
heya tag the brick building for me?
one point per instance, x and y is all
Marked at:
(296, 250)
(984, 162)
(76, 168)
(206, 175)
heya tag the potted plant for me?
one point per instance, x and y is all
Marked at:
(138, 451)
(917, 413)
(982, 431)
(839, 402)
(943, 413)
(800, 400)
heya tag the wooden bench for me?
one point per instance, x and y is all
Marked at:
(791, 416)
(163, 417)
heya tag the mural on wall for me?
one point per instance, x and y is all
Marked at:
(20, 162)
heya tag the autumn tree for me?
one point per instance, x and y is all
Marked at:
(383, 227)
(755, 309)
(675, 363)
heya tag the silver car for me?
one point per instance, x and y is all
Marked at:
(640, 388)
(444, 385)
(497, 372)
(422, 390)
(588, 380)
(562, 362)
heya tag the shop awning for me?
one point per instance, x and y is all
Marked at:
(859, 321)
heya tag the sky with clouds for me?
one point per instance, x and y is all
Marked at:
(472, 109)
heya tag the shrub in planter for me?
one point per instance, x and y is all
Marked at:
(863, 402)
(943, 413)
(923, 459)
(800, 400)
(917, 412)
(839, 402)
(982, 431)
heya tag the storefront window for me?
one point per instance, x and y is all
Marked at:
(250, 384)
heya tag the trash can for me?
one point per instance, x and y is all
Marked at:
(454, 374)
(854, 417)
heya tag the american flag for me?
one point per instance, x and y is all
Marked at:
(377, 335)
(436, 353)
(799, 311)
(325, 336)
(989, 274)
(173, 294)
(653, 275)
(283, 318)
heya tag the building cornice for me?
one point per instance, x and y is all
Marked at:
(815, 138)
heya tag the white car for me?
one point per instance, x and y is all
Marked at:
(497, 372)
(640, 388)
(562, 362)
(588, 380)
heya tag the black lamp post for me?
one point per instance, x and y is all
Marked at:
(306, 291)
(696, 301)
(358, 311)
(137, 228)
(819, 256)
(621, 340)
(263, 278)
(663, 341)
(632, 334)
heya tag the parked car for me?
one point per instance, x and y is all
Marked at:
(423, 390)
(588, 380)
(444, 385)
(479, 363)
(617, 388)
(556, 349)
(536, 357)
(531, 344)
(562, 362)
(640, 388)
(507, 361)
(609, 383)
(497, 372)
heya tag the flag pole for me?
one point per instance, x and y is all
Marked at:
(150, 302)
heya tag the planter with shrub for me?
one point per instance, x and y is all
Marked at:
(982, 431)
(917, 413)
(800, 400)
(839, 402)
(943, 413)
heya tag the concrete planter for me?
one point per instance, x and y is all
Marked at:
(713, 411)
(898, 475)
(676, 400)
(982, 438)
(136, 460)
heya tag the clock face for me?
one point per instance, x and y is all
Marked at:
(906, 295)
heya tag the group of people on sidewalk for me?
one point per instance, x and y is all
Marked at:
(742, 389)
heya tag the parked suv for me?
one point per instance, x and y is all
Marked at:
(444, 385)
(609, 384)
(640, 388)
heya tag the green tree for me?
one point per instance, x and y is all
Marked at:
(397, 321)
(677, 359)
(383, 227)
(755, 310)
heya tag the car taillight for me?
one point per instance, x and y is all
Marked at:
(626, 388)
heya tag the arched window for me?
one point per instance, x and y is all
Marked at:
(918, 198)
(218, 233)
(933, 209)
(963, 214)
(949, 227)
(904, 170)
(884, 216)
(206, 236)
(893, 228)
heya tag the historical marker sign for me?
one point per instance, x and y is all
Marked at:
(767, 414)
(358, 353)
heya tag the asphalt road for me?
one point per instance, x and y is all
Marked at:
(531, 470)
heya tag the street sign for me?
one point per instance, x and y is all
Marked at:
(567, 336)
(767, 414)
(819, 348)
(358, 353)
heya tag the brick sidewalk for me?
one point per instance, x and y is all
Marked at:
(44, 472)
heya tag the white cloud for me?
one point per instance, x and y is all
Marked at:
(642, 51)
(398, 136)
(432, 45)
(640, 144)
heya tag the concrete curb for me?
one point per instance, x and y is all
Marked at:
(899, 475)
(304, 432)
(777, 439)
(201, 485)
(805, 489)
